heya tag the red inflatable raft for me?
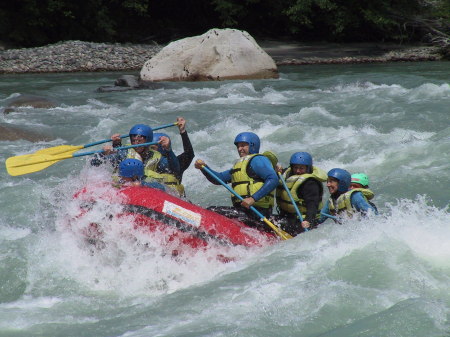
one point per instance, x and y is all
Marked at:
(180, 221)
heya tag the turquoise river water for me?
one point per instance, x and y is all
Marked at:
(382, 276)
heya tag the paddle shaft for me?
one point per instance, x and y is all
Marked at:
(299, 215)
(331, 217)
(127, 135)
(277, 230)
(51, 158)
(116, 149)
(68, 149)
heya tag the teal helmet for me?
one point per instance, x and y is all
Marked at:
(344, 177)
(130, 168)
(360, 178)
(156, 137)
(251, 139)
(143, 130)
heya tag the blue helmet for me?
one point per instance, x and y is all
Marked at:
(251, 139)
(130, 168)
(156, 137)
(143, 130)
(301, 158)
(344, 177)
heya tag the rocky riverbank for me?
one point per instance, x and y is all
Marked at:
(76, 56)
(79, 56)
(300, 54)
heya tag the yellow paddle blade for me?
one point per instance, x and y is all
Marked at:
(66, 149)
(29, 163)
(281, 233)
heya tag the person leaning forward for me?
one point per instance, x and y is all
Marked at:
(252, 177)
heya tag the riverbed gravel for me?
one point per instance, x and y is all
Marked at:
(80, 56)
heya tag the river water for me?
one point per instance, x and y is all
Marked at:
(383, 276)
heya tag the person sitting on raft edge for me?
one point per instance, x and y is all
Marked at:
(252, 177)
(342, 199)
(360, 182)
(152, 160)
(305, 184)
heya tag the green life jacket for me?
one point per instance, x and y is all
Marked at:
(167, 179)
(344, 203)
(116, 181)
(151, 164)
(246, 186)
(293, 182)
(150, 167)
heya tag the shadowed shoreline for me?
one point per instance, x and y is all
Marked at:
(292, 53)
(80, 56)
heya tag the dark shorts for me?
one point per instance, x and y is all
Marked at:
(290, 223)
(245, 215)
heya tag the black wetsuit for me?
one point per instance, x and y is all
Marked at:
(185, 159)
(311, 192)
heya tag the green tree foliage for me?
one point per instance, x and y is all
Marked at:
(335, 20)
(37, 22)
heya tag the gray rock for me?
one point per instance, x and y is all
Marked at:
(29, 101)
(127, 81)
(132, 82)
(10, 132)
(111, 88)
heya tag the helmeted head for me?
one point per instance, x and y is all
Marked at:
(251, 139)
(302, 158)
(360, 178)
(342, 176)
(143, 130)
(131, 168)
(156, 137)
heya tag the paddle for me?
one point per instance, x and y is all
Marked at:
(29, 163)
(282, 234)
(74, 148)
(299, 215)
(331, 217)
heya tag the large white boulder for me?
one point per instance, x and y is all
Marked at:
(219, 54)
